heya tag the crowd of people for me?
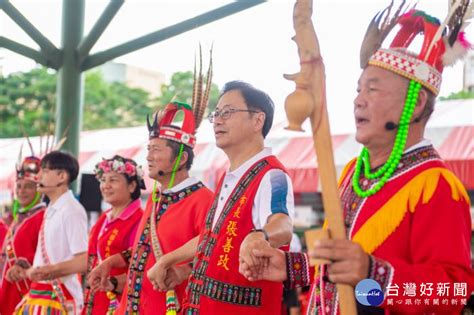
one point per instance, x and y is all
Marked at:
(190, 250)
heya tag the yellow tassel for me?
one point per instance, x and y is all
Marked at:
(386, 220)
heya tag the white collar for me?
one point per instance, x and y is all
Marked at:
(422, 143)
(62, 200)
(240, 171)
(185, 183)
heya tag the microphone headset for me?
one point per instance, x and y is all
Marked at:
(50, 186)
(163, 173)
(390, 125)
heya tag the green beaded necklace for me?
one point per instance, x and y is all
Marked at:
(386, 171)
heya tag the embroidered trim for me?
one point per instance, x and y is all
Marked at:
(353, 203)
(207, 244)
(89, 296)
(228, 293)
(381, 271)
(297, 270)
(142, 252)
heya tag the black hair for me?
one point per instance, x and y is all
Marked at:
(255, 99)
(57, 160)
(175, 151)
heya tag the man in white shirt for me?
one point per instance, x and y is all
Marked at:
(62, 243)
(252, 209)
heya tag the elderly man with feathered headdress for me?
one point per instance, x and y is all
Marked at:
(407, 216)
(173, 214)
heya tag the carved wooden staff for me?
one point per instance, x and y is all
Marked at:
(309, 100)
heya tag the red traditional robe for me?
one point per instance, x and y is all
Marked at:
(215, 285)
(109, 238)
(417, 229)
(20, 243)
(179, 220)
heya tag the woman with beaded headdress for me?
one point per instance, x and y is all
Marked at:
(173, 213)
(19, 246)
(121, 182)
(407, 216)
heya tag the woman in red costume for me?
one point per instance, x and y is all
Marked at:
(120, 183)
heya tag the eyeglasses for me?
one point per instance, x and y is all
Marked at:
(227, 113)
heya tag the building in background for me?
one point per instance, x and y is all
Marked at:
(132, 76)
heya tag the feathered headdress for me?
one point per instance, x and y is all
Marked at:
(29, 167)
(443, 43)
(162, 126)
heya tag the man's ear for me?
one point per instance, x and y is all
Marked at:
(64, 177)
(420, 103)
(184, 159)
(260, 120)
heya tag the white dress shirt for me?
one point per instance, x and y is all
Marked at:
(274, 195)
(65, 235)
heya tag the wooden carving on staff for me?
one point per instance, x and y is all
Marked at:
(309, 100)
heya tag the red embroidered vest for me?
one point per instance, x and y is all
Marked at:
(215, 285)
(179, 219)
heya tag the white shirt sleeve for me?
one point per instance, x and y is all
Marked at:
(274, 195)
(75, 227)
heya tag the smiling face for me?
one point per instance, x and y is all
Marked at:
(25, 191)
(115, 189)
(240, 126)
(380, 99)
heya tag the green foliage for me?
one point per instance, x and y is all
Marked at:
(29, 99)
(461, 95)
(110, 105)
(181, 89)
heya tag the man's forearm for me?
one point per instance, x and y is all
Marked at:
(184, 253)
(78, 264)
(279, 230)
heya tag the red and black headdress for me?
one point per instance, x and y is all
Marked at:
(443, 43)
(163, 122)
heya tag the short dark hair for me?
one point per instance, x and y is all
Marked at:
(57, 160)
(137, 192)
(175, 151)
(255, 99)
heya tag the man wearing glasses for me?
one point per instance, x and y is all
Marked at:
(253, 207)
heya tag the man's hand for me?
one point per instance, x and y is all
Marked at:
(98, 278)
(274, 270)
(158, 273)
(350, 264)
(175, 276)
(43, 273)
(16, 273)
(254, 240)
